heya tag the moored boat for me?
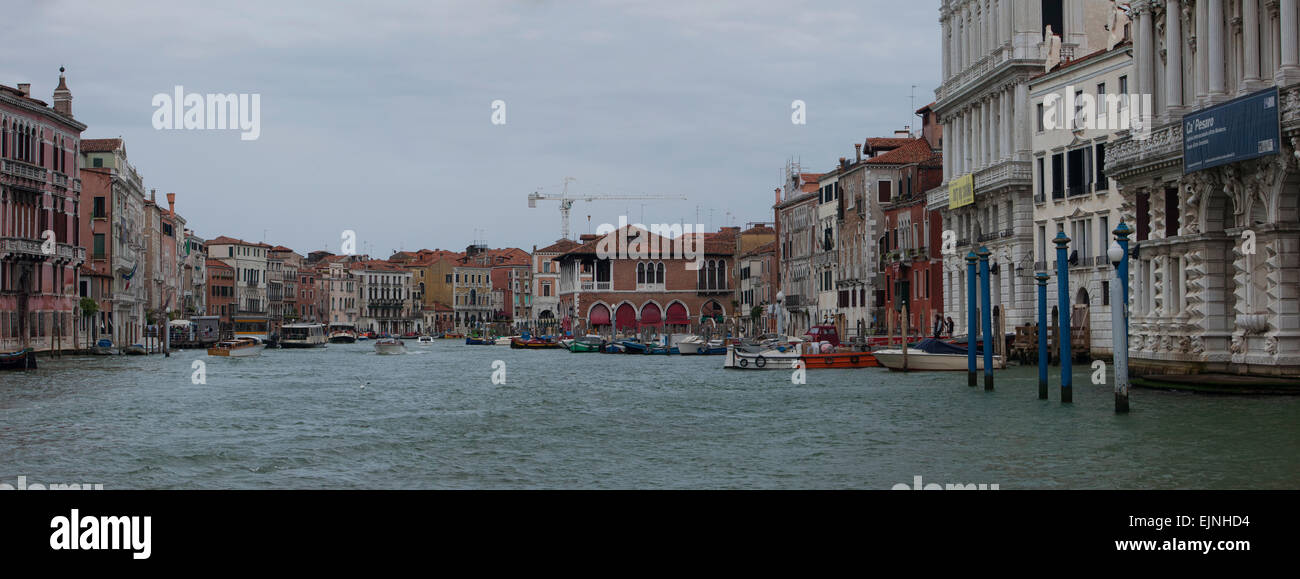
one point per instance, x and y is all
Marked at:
(503, 341)
(840, 360)
(931, 354)
(135, 350)
(532, 344)
(586, 344)
(104, 347)
(697, 346)
(237, 348)
(302, 336)
(390, 346)
(424, 340)
(479, 341)
(761, 358)
(21, 359)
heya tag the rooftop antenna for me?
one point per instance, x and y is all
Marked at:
(911, 111)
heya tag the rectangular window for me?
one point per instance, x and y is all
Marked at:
(1171, 212)
(1041, 128)
(1102, 182)
(1041, 194)
(1058, 176)
(883, 190)
(99, 207)
(99, 246)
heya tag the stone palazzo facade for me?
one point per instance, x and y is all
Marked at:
(1200, 300)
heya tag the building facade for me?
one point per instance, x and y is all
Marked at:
(40, 189)
(1072, 192)
(1199, 301)
(991, 49)
(113, 225)
(661, 291)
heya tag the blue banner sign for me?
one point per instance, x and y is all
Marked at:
(1240, 129)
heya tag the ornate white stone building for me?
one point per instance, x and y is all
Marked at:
(1199, 303)
(991, 48)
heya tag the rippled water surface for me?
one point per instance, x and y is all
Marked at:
(301, 419)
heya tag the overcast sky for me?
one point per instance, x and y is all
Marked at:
(376, 116)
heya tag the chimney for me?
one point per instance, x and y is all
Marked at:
(25, 88)
(858, 148)
(153, 196)
(778, 196)
(844, 163)
(171, 204)
(905, 133)
(62, 96)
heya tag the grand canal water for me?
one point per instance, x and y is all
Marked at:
(300, 419)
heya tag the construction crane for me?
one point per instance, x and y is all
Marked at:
(566, 202)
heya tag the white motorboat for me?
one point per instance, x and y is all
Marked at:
(918, 360)
(503, 340)
(695, 345)
(237, 348)
(761, 357)
(424, 340)
(390, 346)
(931, 354)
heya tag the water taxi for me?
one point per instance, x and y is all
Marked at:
(237, 348)
(390, 346)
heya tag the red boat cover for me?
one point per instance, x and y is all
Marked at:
(600, 315)
(625, 318)
(650, 315)
(677, 315)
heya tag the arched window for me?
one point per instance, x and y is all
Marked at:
(640, 273)
(722, 274)
(659, 277)
(713, 275)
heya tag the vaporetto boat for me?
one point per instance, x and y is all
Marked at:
(302, 336)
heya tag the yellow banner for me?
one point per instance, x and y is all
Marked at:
(961, 191)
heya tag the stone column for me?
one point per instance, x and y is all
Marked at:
(1250, 78)
(1202, 47)
(1290, 47)
(1020, 146)
(1007, 123)
(1174, 58)
(1216, 54)
(1144, 56)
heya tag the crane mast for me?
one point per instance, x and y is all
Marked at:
(567, 201)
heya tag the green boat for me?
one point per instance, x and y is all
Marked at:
(587, 344)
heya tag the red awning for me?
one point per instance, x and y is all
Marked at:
(650, 315)
(625, 318)
(677, 315)
(600, 315)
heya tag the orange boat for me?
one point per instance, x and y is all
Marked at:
(840, 360)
